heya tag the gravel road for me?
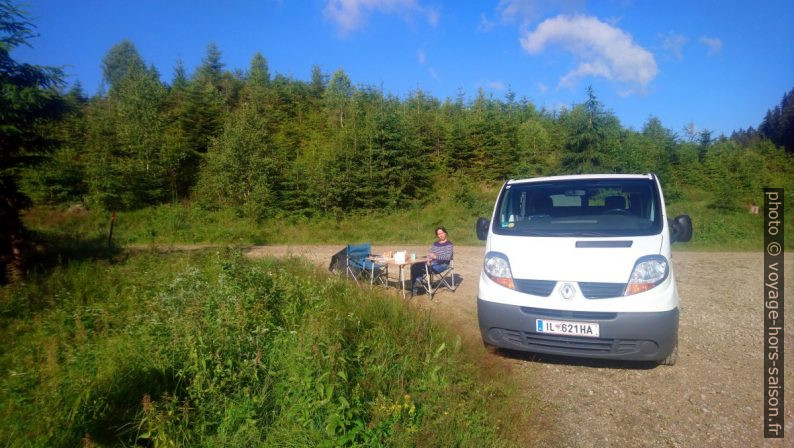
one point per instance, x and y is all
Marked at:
(712, 397)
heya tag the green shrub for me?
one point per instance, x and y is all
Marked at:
(212, 350)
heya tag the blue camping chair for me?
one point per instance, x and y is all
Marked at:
(360, 267)
(444, 278)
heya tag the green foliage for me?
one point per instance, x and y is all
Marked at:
(468, 195)
(459, 202)
(58, 180)
(28, 96)
(212, 350)
(725, 199)
(129, 164)
(121, 62)
(241, 167)
(778, 124)
(592, 138)
(257, 80)
(61, 177)
(457, 206)
(536, 155)
(211, 69)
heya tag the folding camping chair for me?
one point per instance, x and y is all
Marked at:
(339, 262)
(360, 267)
(443, 279)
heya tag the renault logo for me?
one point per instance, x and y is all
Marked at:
(567, 291)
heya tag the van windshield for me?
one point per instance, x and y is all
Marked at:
(587, 207)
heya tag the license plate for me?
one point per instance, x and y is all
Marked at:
(589, 329)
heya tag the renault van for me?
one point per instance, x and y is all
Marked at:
(581, 266)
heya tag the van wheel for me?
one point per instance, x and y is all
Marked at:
(671, 358)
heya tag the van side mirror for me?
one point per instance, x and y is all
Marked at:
(482, 228)
(680, 228)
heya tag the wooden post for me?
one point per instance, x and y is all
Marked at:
(110, 234)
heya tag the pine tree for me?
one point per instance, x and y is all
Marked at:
(61, 178)
(180, 81)
(211, 67)
(592, 137)
(121, 61)
(778, 124)
(318, 81)
(258, 73)
(131, 172)
(240, 168)
(29, 99)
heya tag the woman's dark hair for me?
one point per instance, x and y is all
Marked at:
(440, 228)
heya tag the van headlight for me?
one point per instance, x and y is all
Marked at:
(497, 268)
(648, 273)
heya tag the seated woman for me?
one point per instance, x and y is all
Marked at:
(438, 259)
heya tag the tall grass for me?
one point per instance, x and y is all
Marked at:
(721, 230)
(456, 208)
(178, 224)
(209, 349)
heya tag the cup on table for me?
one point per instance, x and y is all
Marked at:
(413, 256)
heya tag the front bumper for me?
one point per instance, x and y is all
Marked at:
(636, 336)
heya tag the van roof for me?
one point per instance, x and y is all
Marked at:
(580, 177)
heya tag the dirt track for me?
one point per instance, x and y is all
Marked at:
(711, 397)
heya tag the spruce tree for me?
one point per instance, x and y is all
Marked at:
(29, 99)
(121, 61)
(592, 137)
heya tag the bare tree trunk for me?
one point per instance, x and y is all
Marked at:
(15, 268)
(13, 237)
(13, 258)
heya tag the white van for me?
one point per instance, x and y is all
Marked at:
(580, 266)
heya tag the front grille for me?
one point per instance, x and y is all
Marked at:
(565, 314)
(566, 344)
(535, 287)
(593, 290)
(569, 343)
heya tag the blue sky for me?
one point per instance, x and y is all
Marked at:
(719, 65)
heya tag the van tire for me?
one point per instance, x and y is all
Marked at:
(671, 358)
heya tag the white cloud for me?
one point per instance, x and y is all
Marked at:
(421, 56)
(555, 106)
(674, 43)
(712, 43)
(527, 11)
(599, 48)
(350, 15)
(433, 16)
(496, 85)
(521, 10)
(433, 73)
(542, 87)
(485, 24)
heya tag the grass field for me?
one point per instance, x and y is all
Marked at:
(210, 349)
(457, 210)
